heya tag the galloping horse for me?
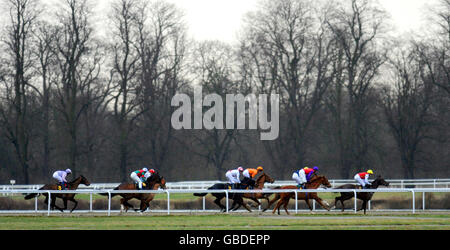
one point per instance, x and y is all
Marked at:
(364, 196)
(153, 183)
(259, 185)
(73, 185)
(236, 197)
(314, 183)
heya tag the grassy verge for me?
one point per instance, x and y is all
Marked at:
(228, 222)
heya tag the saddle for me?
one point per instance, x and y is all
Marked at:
(60, 187)
(136, 185)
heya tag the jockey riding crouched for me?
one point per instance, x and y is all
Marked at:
(363, 178)
(233, 177)
(60, 176)
(303, 176)
(249, 175)
(140, 176)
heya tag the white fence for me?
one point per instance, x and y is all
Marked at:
(168, 192)
(394, 183)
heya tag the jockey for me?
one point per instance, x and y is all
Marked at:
(303, 175)
(310, 172)
(140, 176)
(60, 176)
(363, 178)
(233, 177)
(249, 175)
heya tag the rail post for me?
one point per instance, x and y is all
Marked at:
(296, 202)
(90, 202)
(49, 202)
(226, 195)
(109, 203)
(423, 201)
(413, 201)
(356, 201)
(168, 202)
(36, 204)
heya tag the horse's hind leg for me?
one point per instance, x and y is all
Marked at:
(277, 196)
(217, 202)
(53, 205)
(285, 204)
(277, 207)
(74, 206)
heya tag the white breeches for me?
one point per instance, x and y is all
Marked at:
(300, 179)
(362, 182)
(136, 179)
(57, 177)
(231, 178)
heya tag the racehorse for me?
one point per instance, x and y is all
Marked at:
(236, 197)
(73, 185)
(153, 183)
(259, 185)
(364, 196)
(284, 198)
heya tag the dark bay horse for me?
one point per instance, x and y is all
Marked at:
(284, 198)
(259, 185)
(236, 197)
(153, 183)
(73, 185)
(364, 196)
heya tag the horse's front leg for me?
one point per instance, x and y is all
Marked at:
(53, 204)
(270, 202)
(309, 205)
(285, 204)
(75, 204)
(323, 203)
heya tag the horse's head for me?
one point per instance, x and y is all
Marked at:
(267, 178)
(84, 181)
(163, 183)
(379, 181)
(320, 180)
(157, 179)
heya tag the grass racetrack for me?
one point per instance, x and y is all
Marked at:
(266, 221)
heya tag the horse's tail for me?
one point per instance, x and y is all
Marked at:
(200, 194)
(107, 194)
(216, 186)
(31, 196)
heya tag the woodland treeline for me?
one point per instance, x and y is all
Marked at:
(91, 90)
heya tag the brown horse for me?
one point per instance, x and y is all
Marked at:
(152, 183)
(73, 185)
(284, 198)
(364, 196)
(259, 185)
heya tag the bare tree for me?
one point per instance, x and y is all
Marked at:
(16, 114)
(407, 107)
(161, 46)
(79, 59)
(357, 30)
(44, 37)
(213, 67)
(290, 50)
(126, 70)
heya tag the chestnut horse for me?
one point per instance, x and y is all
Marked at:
(364, 196)
(259, 185)
(73, 185)
(153, 183)
(284, 198)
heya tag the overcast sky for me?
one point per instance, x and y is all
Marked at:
(221, 19)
